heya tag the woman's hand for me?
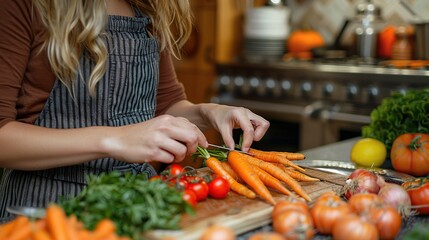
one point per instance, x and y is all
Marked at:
(162, 139)
(226, 118)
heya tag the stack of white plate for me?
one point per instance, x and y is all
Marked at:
(265, 32)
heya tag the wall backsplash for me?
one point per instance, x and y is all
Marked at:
(328, 16)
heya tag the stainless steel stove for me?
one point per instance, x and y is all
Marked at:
(316, 102)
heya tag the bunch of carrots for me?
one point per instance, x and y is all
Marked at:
(259, 170)
(57, 226)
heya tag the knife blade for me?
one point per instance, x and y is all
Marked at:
(32, 212)
(228, 149)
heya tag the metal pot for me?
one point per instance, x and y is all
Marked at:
(421, 33)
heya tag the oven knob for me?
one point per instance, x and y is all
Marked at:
(352, 91)
(271, 87)
(306, 88)
(286, 86)
(224, 83)
(328, 89)
(256, 86)
(401, 90)
(373, 92)
(238, 82)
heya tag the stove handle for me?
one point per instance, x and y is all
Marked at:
(329, 115)
(314, 110)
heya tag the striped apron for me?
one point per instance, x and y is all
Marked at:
(125, 95)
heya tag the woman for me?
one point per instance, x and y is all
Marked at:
(88, 87)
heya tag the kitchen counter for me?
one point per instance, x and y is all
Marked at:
(339, 151)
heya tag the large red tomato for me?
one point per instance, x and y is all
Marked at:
(418, 190)
(410, 154)
(325, 214)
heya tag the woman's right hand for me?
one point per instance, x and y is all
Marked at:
(164, 139)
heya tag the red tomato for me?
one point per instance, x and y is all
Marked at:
(410, 154)
(200, 188)
(387, 220)
(294, 224)
(352, 227)
(362, 202)
(218, 188)
(418, 190)
(326, 213)
(290, 203)
(174, 169)
(190, 197)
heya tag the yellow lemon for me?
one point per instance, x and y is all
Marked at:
(368, 152)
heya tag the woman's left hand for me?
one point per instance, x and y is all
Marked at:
(226, 118)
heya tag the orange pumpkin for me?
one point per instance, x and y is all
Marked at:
(301, 41)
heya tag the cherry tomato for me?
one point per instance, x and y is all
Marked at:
(190, 197)
(174, 169)
(160, 177)
(179, 183)
(200, 188)
(218, 188)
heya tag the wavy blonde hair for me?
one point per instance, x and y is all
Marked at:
(77, 25)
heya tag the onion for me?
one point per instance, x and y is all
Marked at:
(394, 195)
(361, 181)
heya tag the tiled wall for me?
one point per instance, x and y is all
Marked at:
(328, 16)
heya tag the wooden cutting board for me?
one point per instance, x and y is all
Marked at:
(240, 213)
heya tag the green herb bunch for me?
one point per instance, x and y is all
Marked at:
(135, 204)
(399, 114)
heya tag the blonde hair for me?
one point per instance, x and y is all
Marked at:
(74, 26)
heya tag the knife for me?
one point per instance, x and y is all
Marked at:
(32, 212)
(228, 149)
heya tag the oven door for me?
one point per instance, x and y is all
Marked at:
(339, 125)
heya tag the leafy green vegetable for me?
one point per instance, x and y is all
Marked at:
(399, 114)
(417, 232)
(131, 201)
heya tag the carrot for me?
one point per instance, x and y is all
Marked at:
(245, 171)
(41, 234)
(271, 181)
(21, 230)
(71, 228)
(6, 229)
(104, 228)
(292, 155)
(297, 175)
(301, 176)
(56, 221)
(279, 174)
(231, 171)
(215, 165)
(274, 158)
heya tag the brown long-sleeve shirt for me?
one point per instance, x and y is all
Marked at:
(26, 78)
